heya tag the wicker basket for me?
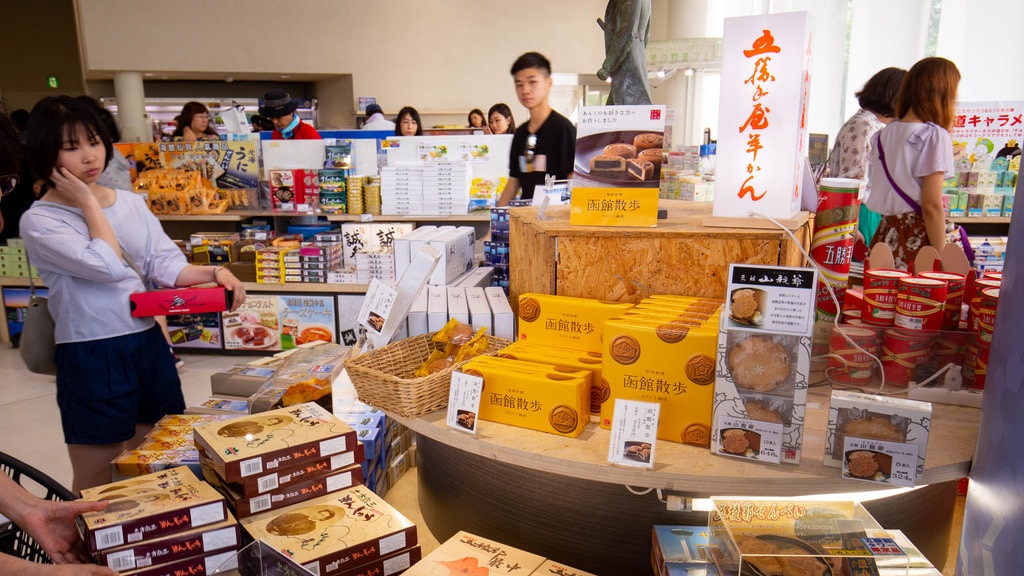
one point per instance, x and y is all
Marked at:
(384, 377)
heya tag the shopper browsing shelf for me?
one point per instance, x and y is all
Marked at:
(407, 123)
(476, 120)
(546, 144)
(115, 374)
(851, 155)
(193, 124)
(911, 157)
(375, 119)
(499, 119)
(280, 107)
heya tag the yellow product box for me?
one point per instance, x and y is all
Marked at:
(519, 394)
(555, 356)
(565, 321)
(702, 305)
(682, 317)
(164, 443)
(653, 360)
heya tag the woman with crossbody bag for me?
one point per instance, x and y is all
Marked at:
(115, 374)
(911, 157)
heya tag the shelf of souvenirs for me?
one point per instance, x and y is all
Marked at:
(254, 287)
(980, 220)
(239, 215)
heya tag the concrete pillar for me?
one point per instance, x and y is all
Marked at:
(131, 107)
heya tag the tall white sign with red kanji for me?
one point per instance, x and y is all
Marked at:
(762, 132)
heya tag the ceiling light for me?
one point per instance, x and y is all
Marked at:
(688, 71)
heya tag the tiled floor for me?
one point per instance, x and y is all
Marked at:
(30, 429)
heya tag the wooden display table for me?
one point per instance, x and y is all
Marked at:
(688, 253)
(561, 498)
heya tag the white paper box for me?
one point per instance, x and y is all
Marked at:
(456, 249)
(403, 252)
(423, 263)
(419, 242)
(479, 309)
(457, 306)
(762, 133)
(418, 314)
(437, 307)
(504, 318)
(479, 277)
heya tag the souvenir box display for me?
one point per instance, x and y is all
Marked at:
(307, 487)
(755, 536)
(877, 438)
(214, 538)
(249, 445)
(531, 395)
(335, 533)
(149, 507)
(670, 362)
(281, 477)
(679, 548)
(466, 553)
(565, 321)
(764, 361)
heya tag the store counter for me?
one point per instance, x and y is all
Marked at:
(560, 497)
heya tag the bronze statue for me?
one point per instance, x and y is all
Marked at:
(627, 27)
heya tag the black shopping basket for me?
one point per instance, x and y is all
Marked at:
(13, 540)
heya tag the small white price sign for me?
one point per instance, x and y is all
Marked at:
(879, 461)
(634, 433)
(752, 439)
(464, 401)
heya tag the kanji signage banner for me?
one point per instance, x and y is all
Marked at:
(763, 115)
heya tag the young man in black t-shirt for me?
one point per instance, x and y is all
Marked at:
(546, 144)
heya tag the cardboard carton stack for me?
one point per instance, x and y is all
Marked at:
(277, 458)
(168, 445)
(168, 522)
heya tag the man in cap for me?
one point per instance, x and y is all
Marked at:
(279, 107)
(375, 119)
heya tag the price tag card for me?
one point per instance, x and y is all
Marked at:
(464, 401)
(614, 207)
(634, 433)
(883, 547)
(555, 195)
(878, 461)
(751, 439)
(772, 299)
(376, 305)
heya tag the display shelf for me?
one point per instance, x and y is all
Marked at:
(239, 215)
(684, 468)
(305, 288)
(981, 220)
(474, 217)
(561, 497)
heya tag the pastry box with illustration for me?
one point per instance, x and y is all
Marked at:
(466, 553)
(335, 533)
(249, 445)
(148, 507)
(761, 377)
(880, 418)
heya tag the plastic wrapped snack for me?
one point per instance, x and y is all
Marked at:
(305, 376)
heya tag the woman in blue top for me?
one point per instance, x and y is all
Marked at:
(115, 374)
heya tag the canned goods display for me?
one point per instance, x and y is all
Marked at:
(835, 223)
(954, 297)
(902, 354)
(879, 306)
(853, 366)
(919, 303)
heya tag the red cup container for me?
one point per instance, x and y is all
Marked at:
(853, 366)
(954, 296)
(919, 303)
(902, 353)
(880, 287)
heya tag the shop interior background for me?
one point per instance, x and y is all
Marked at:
(449, 56)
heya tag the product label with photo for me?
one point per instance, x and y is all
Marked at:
(770, 299)
(464, 401)
(634, 433)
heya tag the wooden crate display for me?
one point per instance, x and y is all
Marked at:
(688, 253)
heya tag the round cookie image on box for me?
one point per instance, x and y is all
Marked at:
(760, 363)
(747, 306)
(637, 450)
